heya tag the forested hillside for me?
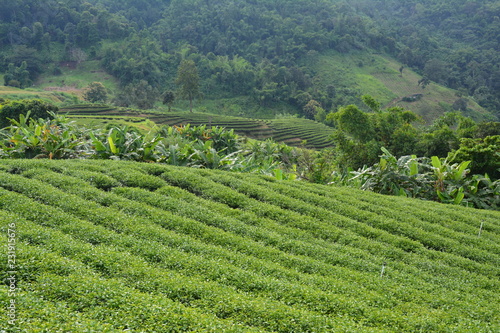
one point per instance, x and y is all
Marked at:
(263, 50)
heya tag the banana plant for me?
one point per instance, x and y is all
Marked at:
(173, 154)
(54, 139)
(123, 143)
(450, 180)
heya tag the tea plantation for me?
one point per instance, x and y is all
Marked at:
(111, 246)
(292, 131)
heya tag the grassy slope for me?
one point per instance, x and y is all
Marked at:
(75, 78)
(109, 246)
(379, 77)
(30, 93)
(66, 88)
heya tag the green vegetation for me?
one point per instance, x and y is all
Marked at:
(291, 130)
(35, 108)
(200, 147)
(188, 81)
(359, 73)
(55, 97)
(429, 179)
(150, 218)
(95, 92)
(147, 247)
(277, 55)
(74, 78)
(357, 140)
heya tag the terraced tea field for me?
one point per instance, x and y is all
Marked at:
(293, 131)
(109, 246)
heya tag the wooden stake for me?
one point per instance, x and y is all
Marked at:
(480, 229)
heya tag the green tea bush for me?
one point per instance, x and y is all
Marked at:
(199, 250)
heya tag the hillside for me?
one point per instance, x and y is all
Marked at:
(107, 246)
(379, 76)
(55, 97)
(353, 75)
(261, 56)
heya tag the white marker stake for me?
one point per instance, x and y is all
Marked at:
(480, 229)
(383, 270)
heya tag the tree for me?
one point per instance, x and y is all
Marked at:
(37, 37)
(438, 143)
(460, 104)
(95, 92)
(360, 135)
(141, 94)
(188, 81)
(424, 82)
(351, 120)
(484, 154)
(17, 76)
(436, 70)
(77, 54)
(312, 108)
(371, 102)
(168, 99)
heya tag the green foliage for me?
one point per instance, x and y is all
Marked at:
(139, 94)
(182, 249)
(293, 131)
(35, 107)
(168, 99)
(256, 49)
(373, 104)
(312, 108)
(53, 139)
(124, 143)
(360, 135)
(138, 58)
(355, 122)
(444, 135)
(188, 81)
(193, 146)
(18, 77)
(426, 178)
(483, 153)
(95, 92)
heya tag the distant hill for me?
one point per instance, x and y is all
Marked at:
(109, 246)
(278, 55)
(380, 76)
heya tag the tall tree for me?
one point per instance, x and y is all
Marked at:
(188, 81)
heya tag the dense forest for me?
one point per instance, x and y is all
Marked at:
(253, 48)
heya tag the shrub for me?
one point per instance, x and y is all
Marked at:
(95, 92)
(35, 107)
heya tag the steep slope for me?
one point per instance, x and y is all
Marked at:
(366, 73)
(108, 246)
